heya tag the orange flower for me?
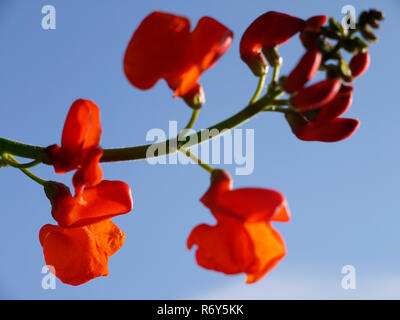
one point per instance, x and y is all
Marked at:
(80, 148)
(243, 240)
(103, 201)
(163, 47)
(80, 254)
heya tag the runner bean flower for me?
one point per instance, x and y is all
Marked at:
(243, 240)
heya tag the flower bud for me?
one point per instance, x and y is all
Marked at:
(316, 95)
(337, 106)
(314, 23)
(195, 98)
(359, 64)
(304, 71)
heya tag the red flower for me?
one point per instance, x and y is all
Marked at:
(359, 64)
(339, 105)
(80, 145)
(315, 23)
(316, 95)
(267, 31)
(323, 124)
(243, 240)
(80, 254)
(305, 70)
(103, 201)
(163, 47)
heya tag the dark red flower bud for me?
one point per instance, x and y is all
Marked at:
(315, 22)
(325, 131)
(316, 95)
(268, 30)
(337, 106)
(304, 71)
(359, 64)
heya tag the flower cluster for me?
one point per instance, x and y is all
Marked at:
(163, 46)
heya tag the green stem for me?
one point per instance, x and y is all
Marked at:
(24, 150)
(23, 165)
(139, 152)
(275, 74)
(14, 163)
(260, 86)
(196, 159)
(275, 108)
(192, 120)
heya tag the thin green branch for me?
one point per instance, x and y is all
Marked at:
(166, 147)
(10, 160)
(260, 87)
(196, 159)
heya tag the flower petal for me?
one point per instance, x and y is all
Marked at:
(269, 249)
(250, 204)
(327, 131)
(225, 247)
(304, 71)
(268, 30)
(74, 253)
(338, 106)
(161, 46)
(103, 201)
(108, 235)
(316, 95)
(82, 128)
(90, 174)
(359, 64)
(211, 40)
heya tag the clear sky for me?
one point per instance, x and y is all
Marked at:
(343, 196)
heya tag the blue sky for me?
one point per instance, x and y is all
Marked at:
(343, 196)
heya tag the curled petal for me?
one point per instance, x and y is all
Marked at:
(108, 235)
(225, 247)
(316, 95)
(269, 249)
(250, 204)
(314, 23)
(101, 202)
(235, 247)
(82, 128)
(246, 204)
(90, 173)
(326, 131)
(359, 64)
(80, 254)
(81, 133)
(74, 254)
(305, 70)
(268, 30)
(336, 107)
